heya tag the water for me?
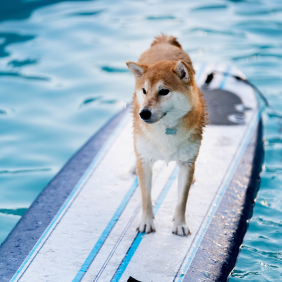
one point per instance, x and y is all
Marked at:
(63, 76)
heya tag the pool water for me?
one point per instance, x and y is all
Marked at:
(63, 76)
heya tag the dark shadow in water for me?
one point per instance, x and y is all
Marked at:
(10, 38)
(3, 112)
(258, 11)
(112, 69)
(209, 7)
(237, 1)
(19, 212)
(90, 13)
(274, 140)
(16, 63)
(89, 100)
(20, 9)
(17, 74)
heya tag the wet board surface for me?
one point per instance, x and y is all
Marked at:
(92, 236)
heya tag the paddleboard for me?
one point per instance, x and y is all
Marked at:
(82, 227)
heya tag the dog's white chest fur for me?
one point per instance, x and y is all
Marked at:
(157, 145)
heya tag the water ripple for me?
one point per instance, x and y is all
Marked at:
(265, 222)
(168, 17)
(218, 31)
(28, 170)
(258, 11)
(209, 8)
(275, 255)
(19, 75)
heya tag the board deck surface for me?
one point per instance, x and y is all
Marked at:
(93, 235)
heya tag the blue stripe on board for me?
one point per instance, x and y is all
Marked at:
(106, 232)
(85, 175)
(140, 236)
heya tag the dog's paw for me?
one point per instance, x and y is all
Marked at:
(180, 229)
(147, 226)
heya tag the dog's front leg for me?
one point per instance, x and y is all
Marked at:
(185, 178)
(144, 172)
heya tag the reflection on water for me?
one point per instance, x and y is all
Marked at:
(63, 76)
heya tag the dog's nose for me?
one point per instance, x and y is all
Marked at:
(145, 114)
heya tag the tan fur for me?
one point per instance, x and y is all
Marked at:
(165, 48)
(162, 70)
(159, 64)
(166, 39)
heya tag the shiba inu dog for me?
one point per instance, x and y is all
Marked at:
(169, 116)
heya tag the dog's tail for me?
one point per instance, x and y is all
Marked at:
(166, 39)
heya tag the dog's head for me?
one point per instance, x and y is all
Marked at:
(164, 90)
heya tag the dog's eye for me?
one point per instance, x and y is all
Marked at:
(144, 91)
(163, 92)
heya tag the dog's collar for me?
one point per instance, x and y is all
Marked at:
(171, 131)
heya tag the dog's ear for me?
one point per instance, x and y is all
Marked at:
(183, 71)
(137, 69)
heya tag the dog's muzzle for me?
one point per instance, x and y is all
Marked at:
(147, 116)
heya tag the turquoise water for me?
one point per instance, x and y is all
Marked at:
(63, 76)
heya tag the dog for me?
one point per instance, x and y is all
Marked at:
(168, 119)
